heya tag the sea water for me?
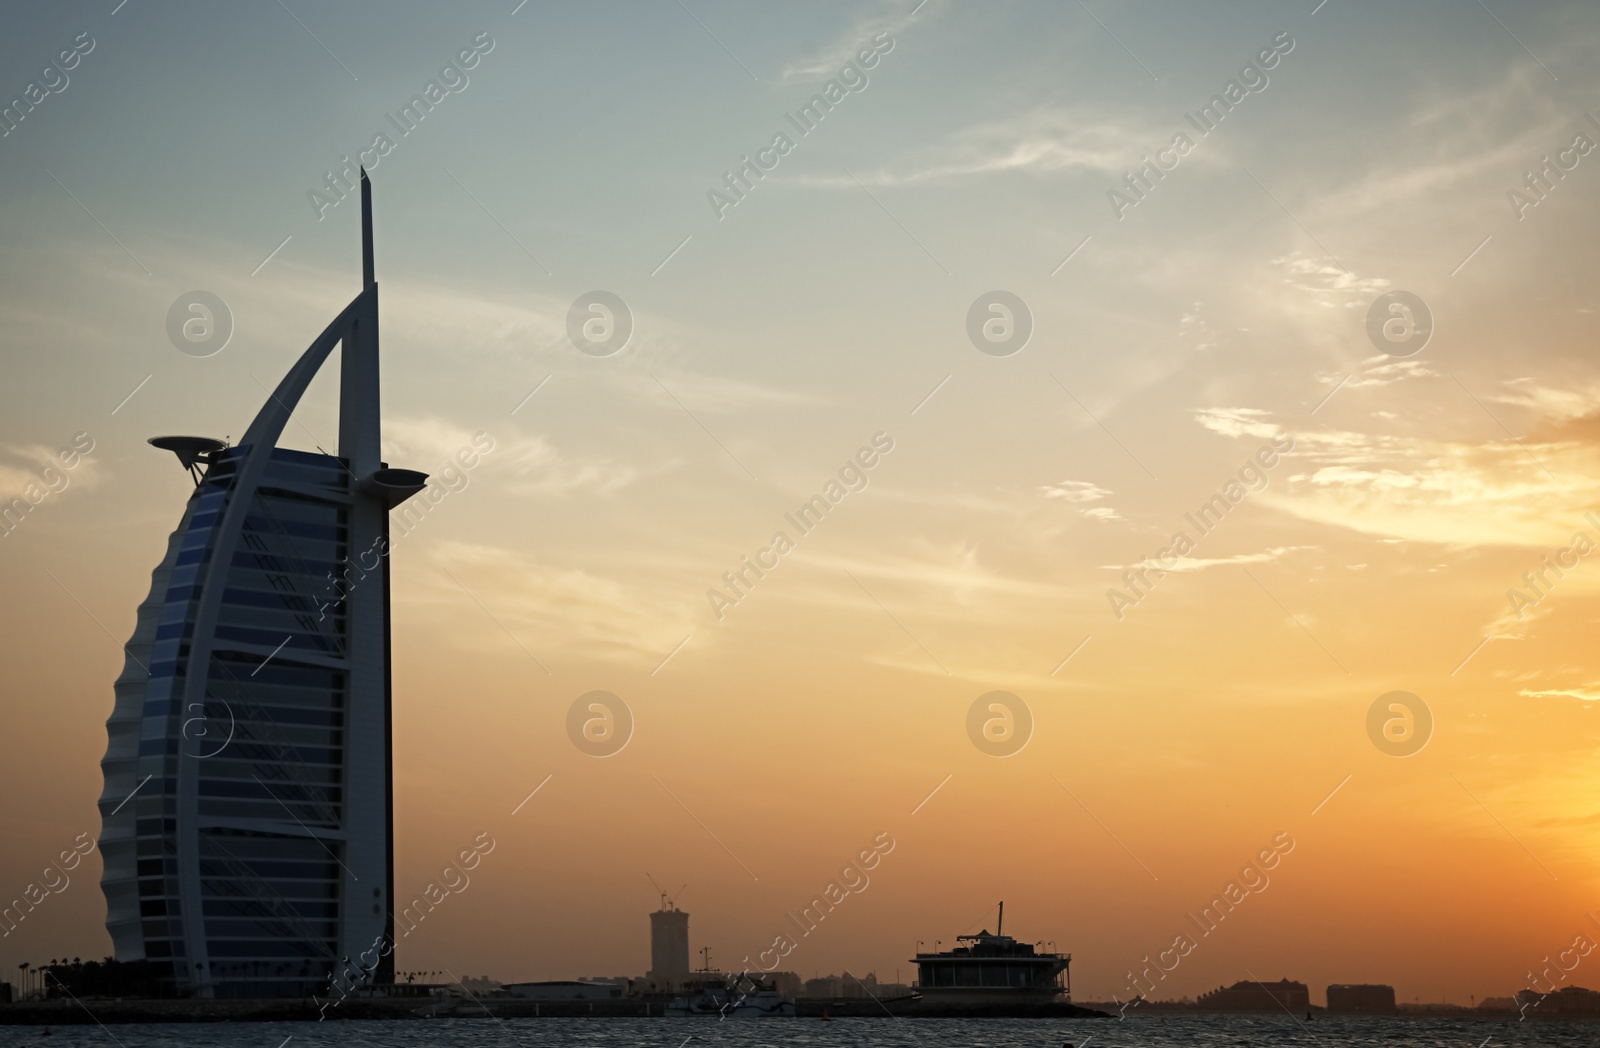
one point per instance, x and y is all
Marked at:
(1187, 1031)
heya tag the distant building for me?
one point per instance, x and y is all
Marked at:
(1257, 997)
(568, 990)
(826, 986)
(1360, 999)
(786, 983)
(669, 945)
(1567, 1001)
(848, 987)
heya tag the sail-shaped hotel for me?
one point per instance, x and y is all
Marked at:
(247, 812)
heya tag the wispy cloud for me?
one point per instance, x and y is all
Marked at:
(1190, 564)
(1039, 141)
(1074, 491)
(1335, 285)
(947, 577)
(1447, 492)
(423, 441)
(1554, 405)
(1458, 135)
(543, 470)
(1385, 371)
(1079, 493)
(886, 16)
(1583, 693)
(551, 608)
(1238, 422)
(24, 465)
(525, 464)
(716, 394)
(1193, 329)
(1517, 624)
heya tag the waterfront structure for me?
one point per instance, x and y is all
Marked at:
(247, 814)
(570, 990)
(669, 945)
(1360, 999)
(1250, 996)
(1566, 1002)
(993, 970)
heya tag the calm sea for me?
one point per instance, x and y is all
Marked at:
(1146, 1032)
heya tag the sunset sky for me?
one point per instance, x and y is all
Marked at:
(1173, 338)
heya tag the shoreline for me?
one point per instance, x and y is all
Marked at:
(65, 1012)
(132, 1011)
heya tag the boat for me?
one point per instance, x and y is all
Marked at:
(729, 997)
(993, 971)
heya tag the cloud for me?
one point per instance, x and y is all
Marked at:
(826, 61)
(422, 442)
(954, 572)
(1386, 371)
(1079, 493)
(454, 321)
(1448, 492)
(1039, 141)
(1514, 623)
(554, 610)
(28, 463)
(1238, 422)
(544, 471)
(1074, 491)
(1460, 136)
(716, 394)
(1583, 693)
(539, 468)
(1337, 284)
(1190, 564)
(1192, 326)
(1556, 406)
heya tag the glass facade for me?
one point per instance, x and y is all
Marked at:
(266, 744)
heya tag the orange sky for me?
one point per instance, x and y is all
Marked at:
(778, 741)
